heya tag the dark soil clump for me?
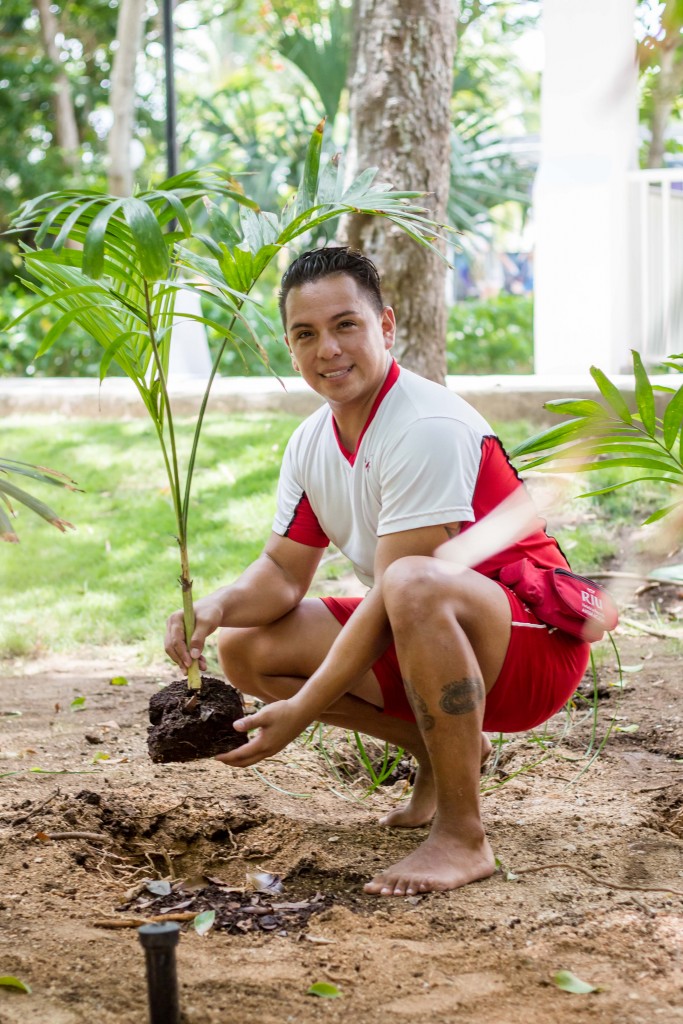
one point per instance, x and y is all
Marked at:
(237, 912)
(187, 725)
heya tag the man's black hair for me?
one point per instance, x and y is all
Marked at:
(318, 263)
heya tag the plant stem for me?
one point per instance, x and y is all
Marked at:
(194, 679)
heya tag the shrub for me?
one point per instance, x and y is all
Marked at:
(491, 335)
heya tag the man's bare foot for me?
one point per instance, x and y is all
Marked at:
(421, 807)
(442, 862)
(422, 804)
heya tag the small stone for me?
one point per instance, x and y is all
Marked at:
(93, 737)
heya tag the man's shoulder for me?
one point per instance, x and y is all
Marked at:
(417, 398)
(312, 426)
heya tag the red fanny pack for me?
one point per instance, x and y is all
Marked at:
(562, 599)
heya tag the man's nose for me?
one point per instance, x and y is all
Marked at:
(328, 345)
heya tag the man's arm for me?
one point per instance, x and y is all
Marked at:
(361, 642)
(267, 589)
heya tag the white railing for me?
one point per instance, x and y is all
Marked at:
(657, 221)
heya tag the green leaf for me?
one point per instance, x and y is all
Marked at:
(324, 990)
(666, 573)
(576, 407)
(93, 247)
(204, 922)
(78, 704)
(627, 728)
(661, 513)
(118, 681)
(611, 393)
(568, 982)
(644, 395)
(309, 185)
(222, 230)
(149, 241)
(9, 981)
(101, 755)
(673, 418)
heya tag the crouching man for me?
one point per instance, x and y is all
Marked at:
(389, 468)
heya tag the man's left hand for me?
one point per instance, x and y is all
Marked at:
(278, 724)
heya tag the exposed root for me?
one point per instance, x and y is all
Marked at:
(594, 878)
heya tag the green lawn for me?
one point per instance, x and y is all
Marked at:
(113, 581)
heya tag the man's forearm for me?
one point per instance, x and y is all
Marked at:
(262, 594)
(361, 642)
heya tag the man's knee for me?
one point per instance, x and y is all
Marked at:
(414, 587)
(239, 652)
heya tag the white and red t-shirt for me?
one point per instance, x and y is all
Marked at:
(425, 458)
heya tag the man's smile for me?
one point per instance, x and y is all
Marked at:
(333, 374)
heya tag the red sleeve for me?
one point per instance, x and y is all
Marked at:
(496, 480)
(304, 527)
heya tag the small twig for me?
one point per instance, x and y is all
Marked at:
(648, 629)
(593, 878)
(136, 922)
(652, 585)
(29, 814)
(643, 906)
(96, 836)
(655, 789)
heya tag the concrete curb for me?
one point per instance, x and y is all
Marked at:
(496, 398)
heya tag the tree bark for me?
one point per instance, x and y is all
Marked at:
(129, 40)
(400, 122)
(66, 127)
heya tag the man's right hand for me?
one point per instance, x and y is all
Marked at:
(207, 620)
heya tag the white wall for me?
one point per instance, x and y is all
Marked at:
(581, 205)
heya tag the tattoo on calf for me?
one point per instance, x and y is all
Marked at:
(424, 720)
(462, 696)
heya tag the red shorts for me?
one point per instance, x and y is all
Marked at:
(541, 671)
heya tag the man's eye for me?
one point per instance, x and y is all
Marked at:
(347, 323)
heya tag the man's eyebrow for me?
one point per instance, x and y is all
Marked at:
(335, 316)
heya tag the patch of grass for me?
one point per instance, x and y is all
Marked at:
(114, 580)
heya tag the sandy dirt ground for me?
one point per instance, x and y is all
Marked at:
(591, 879)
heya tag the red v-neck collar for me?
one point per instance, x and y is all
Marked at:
(390, 380)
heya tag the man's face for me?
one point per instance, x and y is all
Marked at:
(337, 339)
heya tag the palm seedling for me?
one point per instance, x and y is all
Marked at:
(611, 434)
(130, 258)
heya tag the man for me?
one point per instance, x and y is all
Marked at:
(388, 469)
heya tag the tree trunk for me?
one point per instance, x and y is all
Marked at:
(667, 88)
(66, 127)
(400, 122)
(128, 39)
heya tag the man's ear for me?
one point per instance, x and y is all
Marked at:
(388, 322)
(295, 365)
